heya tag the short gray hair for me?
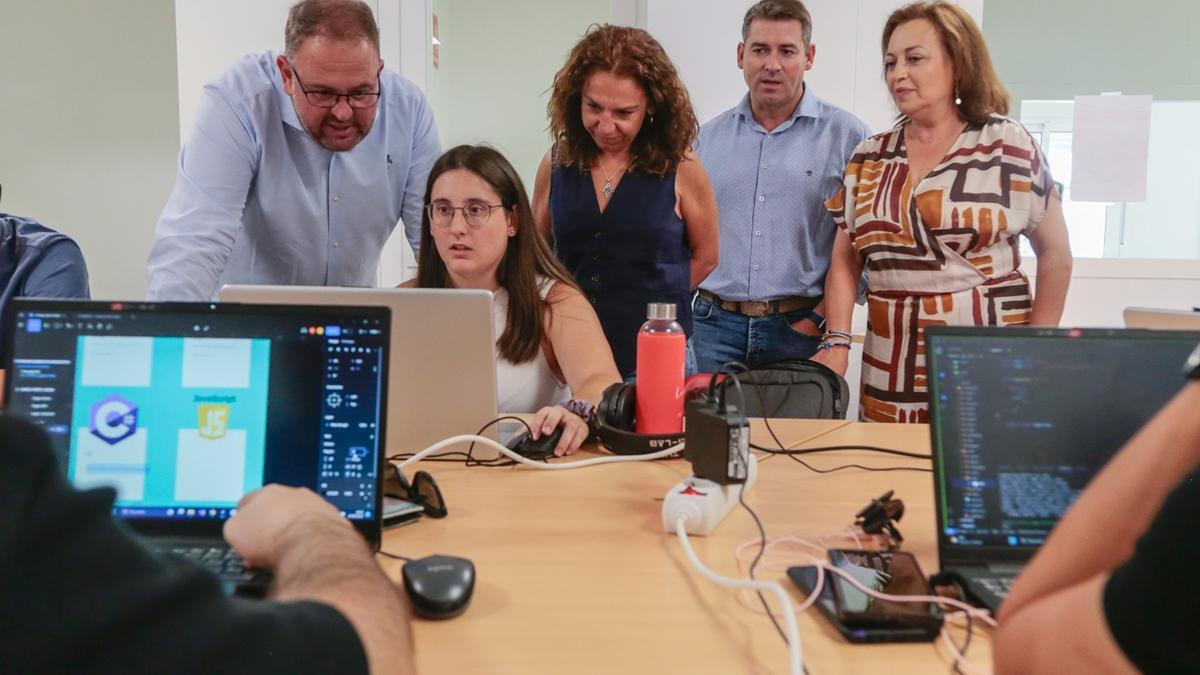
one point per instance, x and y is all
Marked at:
(336, 19)
(779, 10)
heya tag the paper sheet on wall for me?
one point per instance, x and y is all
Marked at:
(1110, 148)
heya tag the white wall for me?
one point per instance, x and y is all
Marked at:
(482, 94)
(1101, 289)
(211, 34)
(1167, 223)
(88, 130)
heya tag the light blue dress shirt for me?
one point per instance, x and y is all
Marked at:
(776, 236)
(258, 201)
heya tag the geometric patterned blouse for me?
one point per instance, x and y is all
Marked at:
(959, 227)
(943, 252)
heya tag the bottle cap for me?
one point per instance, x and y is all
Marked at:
(661, 311)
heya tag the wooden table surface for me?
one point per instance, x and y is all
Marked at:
(577, 575)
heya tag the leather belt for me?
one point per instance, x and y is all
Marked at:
(761, 307)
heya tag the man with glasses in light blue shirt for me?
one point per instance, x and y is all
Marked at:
(299, 165)
(772, 160)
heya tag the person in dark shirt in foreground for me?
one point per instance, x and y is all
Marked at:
(1114, 588)
(79, 594)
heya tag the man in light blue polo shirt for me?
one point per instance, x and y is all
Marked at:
(773, 160)
(299, 164)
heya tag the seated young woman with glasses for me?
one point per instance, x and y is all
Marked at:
(478, 232)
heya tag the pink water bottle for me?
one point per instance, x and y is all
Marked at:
(661, 349)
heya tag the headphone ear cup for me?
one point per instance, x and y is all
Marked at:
(615, 417)
(613, 406)
(625, 408)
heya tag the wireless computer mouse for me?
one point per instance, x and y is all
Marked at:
(439, 586)
(542, 448)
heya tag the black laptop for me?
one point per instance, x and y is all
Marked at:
(185, 407)
(1021, 420)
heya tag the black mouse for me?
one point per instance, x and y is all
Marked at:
(542, 448)
(439, 586)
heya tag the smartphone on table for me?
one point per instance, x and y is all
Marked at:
(862, 618)
(398, 511)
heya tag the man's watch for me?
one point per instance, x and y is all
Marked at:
(1191, 367)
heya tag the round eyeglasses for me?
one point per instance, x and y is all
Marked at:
(475, 213)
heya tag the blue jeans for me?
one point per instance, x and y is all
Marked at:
(722, 336)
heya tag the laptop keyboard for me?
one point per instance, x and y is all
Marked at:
(221, 561)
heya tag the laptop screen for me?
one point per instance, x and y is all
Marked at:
(183, 408)
(1022, 419)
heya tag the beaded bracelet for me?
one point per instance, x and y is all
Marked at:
(827, 344)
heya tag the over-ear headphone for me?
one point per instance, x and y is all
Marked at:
(615, 419)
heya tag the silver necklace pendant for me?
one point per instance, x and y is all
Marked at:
(607, 190)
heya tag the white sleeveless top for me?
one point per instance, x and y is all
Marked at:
(525, 387)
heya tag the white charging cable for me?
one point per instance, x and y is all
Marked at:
(485, 441)
(795, 653)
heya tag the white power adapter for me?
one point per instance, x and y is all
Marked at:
(704, 503)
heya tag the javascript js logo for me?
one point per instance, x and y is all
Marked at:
(113, 419)
(214, 419)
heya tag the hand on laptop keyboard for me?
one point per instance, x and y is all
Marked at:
(268, 518)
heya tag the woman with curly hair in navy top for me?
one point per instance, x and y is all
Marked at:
(624, 200)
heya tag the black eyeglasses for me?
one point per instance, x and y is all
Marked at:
(327, 99)
(423, 491)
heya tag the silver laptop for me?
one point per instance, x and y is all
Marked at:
(443, 357)
(1021, 419)
(1162, 319)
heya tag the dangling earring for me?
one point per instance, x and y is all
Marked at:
(957, 98)
(651, 123)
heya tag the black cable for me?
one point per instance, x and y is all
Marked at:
(762, 548)
(962, 651)
(767, 420)
(833, 448)
(762, 532)
(854, 466)
(471, 461)
(783, 450)
(380, 551)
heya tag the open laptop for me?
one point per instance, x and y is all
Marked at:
(1162, 319)
(185, 407)
(1021, 419)
(443, 354)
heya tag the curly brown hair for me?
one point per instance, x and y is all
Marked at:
(664, 138)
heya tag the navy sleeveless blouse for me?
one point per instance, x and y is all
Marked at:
(634, 253)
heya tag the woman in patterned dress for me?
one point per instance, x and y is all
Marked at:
(934, 209)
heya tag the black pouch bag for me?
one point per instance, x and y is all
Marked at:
(795, 388)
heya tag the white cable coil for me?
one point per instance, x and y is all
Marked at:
(795, 653)
(485, 441)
